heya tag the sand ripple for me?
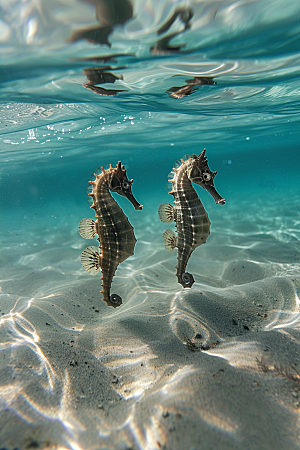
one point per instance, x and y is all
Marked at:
(171, 368)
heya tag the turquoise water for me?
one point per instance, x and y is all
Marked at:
(171, 368)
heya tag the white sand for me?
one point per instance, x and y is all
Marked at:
(171, 368)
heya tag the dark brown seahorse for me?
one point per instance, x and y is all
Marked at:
(192, 223)
(115, 234)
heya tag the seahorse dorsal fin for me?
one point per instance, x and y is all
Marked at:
(166, 212)
(87, 228)
(90, 260)
(169, 240)
(185, 157)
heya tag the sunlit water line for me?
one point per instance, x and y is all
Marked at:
(238, 353)
(154, 432)
(65, 416)
(19, 339)
(287, 319)
(171, 390)
(13, 317)
(147, 436)
(180, 312)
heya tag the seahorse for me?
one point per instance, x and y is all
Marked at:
(115, 233)
(191, 219)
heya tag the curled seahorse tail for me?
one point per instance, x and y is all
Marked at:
(113, 300)
(186, 280)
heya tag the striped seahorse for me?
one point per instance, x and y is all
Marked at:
(115, 234)
(191, 219)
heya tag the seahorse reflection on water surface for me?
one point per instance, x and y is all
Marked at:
(115, 234)
(192, 223)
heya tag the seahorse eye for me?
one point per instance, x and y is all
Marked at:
(206, 176)
(125, 184)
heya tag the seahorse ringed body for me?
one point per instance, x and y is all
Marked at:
(191, 219)
(115, 234)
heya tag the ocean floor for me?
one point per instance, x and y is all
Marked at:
(215, 367)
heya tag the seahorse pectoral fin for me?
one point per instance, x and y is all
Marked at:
(87, 228)
(169, 239)
(166, 212)
(90, 260)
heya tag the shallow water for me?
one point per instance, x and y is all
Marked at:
(211, 367)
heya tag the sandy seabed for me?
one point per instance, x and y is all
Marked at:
(215, 367)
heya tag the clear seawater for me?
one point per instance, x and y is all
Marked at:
(205, 368)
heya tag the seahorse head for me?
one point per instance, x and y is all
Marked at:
(119, 183)
(199, 173)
